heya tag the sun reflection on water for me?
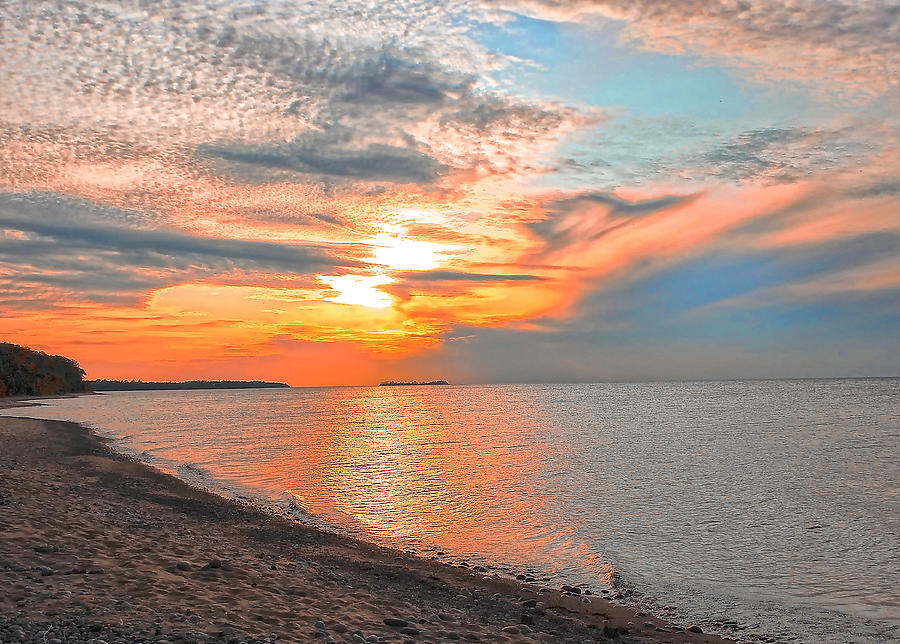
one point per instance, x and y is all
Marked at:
(393, 466)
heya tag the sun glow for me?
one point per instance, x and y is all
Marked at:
(358, 289)
(395, 251)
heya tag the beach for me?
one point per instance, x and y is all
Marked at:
(95, 546)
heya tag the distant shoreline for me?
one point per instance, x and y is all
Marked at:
(410, 383)
(138, 385)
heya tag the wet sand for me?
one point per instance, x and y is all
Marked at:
(97, 547)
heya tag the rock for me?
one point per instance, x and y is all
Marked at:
(512, 630)
(215, 563)
(695, 629)
(610, 631)
(46, 549)
(527, 619)
(46, 572)
(227, 567)
(339, 628)
(410, 630)
(183, 565)
(54, 640)
(396, 622)
(571, 589)
(529, 603)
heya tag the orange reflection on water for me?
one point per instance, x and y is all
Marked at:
(390, 463)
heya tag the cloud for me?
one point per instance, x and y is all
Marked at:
(426, 277)
(390, 91)
(374, 162)
(63, 219)
(851, 43)
(88, 251)
(586, 218)
(783, 154)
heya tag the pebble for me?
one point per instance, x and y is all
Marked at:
(183, 565)
(510, 629)
(339, 628)
(319, 625)
(695, 629)
(46, 572)
(215, 563)
(396, 622)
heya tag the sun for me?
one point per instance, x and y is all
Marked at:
(394, 251)
(358, 289)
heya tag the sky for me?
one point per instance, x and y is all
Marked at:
(339, 193)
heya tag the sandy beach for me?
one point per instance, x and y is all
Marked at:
(96, 547)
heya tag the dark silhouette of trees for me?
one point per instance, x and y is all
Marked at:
(24, 372)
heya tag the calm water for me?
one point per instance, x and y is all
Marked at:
(770, 504)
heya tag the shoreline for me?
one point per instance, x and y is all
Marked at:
(97, 545)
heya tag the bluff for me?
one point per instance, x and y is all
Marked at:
(24, 372)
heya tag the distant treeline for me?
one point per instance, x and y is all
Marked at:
(405, 383)
(140, 385)
(24, 372)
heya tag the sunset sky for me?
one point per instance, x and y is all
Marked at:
(482, 190)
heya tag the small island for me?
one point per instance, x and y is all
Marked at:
(407, 383)
(140, 385)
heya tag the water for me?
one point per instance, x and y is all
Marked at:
(770, 504)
